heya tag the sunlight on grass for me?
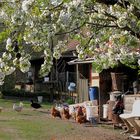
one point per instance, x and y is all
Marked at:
(29, 124)
(39, 125)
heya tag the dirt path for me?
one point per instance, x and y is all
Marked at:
(84, 132)
(90, 132)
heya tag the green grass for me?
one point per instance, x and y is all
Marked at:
(39, 125)
(29, 124)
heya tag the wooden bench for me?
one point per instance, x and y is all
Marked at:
(132, 120)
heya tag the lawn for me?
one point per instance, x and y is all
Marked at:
(39, 125)
(28, 124)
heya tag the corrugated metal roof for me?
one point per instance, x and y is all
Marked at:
(77, 61)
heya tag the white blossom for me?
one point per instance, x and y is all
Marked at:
(7, 56)
(24, 64)
(2, 65)
(64, 17)
(55, 2)
(122, 22)
(9, 42)
(2, 76)
(139, 61)
(26, 5)
(9, 70)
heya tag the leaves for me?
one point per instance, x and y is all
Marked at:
(108, 31)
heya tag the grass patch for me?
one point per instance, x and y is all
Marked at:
(39, 125)
(29, 124)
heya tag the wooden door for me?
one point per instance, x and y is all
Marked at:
(83, 90)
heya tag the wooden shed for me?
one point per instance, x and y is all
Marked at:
(123, 82)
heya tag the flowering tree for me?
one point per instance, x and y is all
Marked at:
(107, 30)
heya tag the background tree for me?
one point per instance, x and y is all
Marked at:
(107, 30)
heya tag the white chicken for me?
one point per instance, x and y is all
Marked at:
(18, 108)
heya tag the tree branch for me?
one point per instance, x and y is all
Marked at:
(131, 31)
(124, 5)
(70, 31)
(101, 25)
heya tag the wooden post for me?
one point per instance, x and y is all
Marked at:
(77, 82)
(51, 74)
(67, 76)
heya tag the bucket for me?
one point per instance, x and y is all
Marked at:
(93, 93)
(89, 112)
(40, 99)
(105, 110)
(114, 94)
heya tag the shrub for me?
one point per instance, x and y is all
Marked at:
(69, 101)
(23, 93)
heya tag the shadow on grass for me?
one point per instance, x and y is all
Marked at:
(5, 120)
(45, 112)
(26, 114)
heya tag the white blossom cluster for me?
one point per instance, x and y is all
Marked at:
(48, 62)
(26, 5)
(59, 49)
(112, 36)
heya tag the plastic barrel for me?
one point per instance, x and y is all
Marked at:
(93, 93)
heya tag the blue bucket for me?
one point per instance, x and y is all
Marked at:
(93, 93)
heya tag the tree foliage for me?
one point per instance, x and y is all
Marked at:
(107, 30)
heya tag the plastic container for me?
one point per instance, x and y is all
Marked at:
(46, 79)
(40, 99)
(89, 112)
(105, 110)
(114, 94)
(72, 87)
(93, 93)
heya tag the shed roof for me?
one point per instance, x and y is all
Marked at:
(84, 61)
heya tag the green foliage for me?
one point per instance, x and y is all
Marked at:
(1, 95)
(70, 101)
(23, 93)
(106, 30)
(9, 82)
(4, 35)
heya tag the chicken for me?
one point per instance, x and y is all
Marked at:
(81, 119)
(35, 105)
(79, 111)
(18, 108)
(81, 115)
(65, 113)
(55, 112)
(84, 110)
(73, 112)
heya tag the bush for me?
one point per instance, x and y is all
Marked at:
(23, 93)
(70, 101)
(1, 95)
